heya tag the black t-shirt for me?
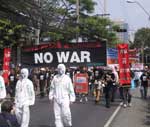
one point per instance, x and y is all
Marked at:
(144, 80)
(42, 77)
(12, 80)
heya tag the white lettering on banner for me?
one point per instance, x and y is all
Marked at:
(38, 58)
(124, 70)
(47, 57)
(124, 61)
(75, 58)
(123, 51)
(85, 55)
(62, 57)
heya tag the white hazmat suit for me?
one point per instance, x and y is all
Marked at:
(2, 89)
(24, 97)
(62, 94)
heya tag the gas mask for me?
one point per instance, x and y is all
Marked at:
(24, 73)
(61, 69)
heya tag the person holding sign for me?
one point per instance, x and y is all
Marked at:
(81, 83)
(62, 94)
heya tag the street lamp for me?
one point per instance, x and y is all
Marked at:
(136, 2)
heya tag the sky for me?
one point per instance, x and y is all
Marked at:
(131, 13)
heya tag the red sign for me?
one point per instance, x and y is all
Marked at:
(133, 56)
(6, 63)
(124, 68)
(81, 83)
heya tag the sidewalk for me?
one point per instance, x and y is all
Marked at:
(136, 116)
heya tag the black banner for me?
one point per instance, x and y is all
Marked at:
(70, 56)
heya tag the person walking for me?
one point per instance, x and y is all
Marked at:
(107, 89)
(126, 96)
(12, 83)
(42, 82)
(144, 84)
(24, 97)
(2, 88)
(62, 94)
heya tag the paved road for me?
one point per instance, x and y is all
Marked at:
(85, 114)
(136, 116)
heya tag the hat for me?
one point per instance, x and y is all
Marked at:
(42, 69)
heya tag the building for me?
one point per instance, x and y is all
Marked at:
(123, 32)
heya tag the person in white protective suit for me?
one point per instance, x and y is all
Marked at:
(62, 94)
(2, 88)
(24, 97)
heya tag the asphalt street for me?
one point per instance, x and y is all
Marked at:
(85, 114)
(136, 116)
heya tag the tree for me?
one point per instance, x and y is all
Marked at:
(9, 33)
(57, 19)
(24, 12)
(142, 42)
(63, 18)
(142, 38)
(63, 24)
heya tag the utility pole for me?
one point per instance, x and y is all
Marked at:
(37, 30)
(105, 6)
(77, 22)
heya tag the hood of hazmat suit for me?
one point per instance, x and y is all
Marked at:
(24, 73)
(61, 69)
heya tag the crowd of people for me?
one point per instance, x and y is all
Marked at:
(58, 84)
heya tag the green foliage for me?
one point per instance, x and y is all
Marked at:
(142, 38)
(9, 33)
(55, 18)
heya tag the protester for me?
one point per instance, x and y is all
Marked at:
(62, 94)
(2, 88)
(144, 85)
(99, 90)
(12, 83)
(24, 97)
(84, 95)
(115, 80)
(7, 118)
(107, 89)
(48, 80)
(42, 82)
(126, 96)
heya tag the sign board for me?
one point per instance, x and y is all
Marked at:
(90, 54)
(6, 64)
(81, 83)
(124, 68)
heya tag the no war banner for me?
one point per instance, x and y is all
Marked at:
(70, 56)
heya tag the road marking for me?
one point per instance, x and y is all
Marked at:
(113, 115)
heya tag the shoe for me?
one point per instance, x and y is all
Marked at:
(80, 100)
(129, 104)
(124, 105)
(96, 102)
(112, 100)
(86, 99)
(107, 106)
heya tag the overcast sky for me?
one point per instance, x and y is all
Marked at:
(131, 13)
